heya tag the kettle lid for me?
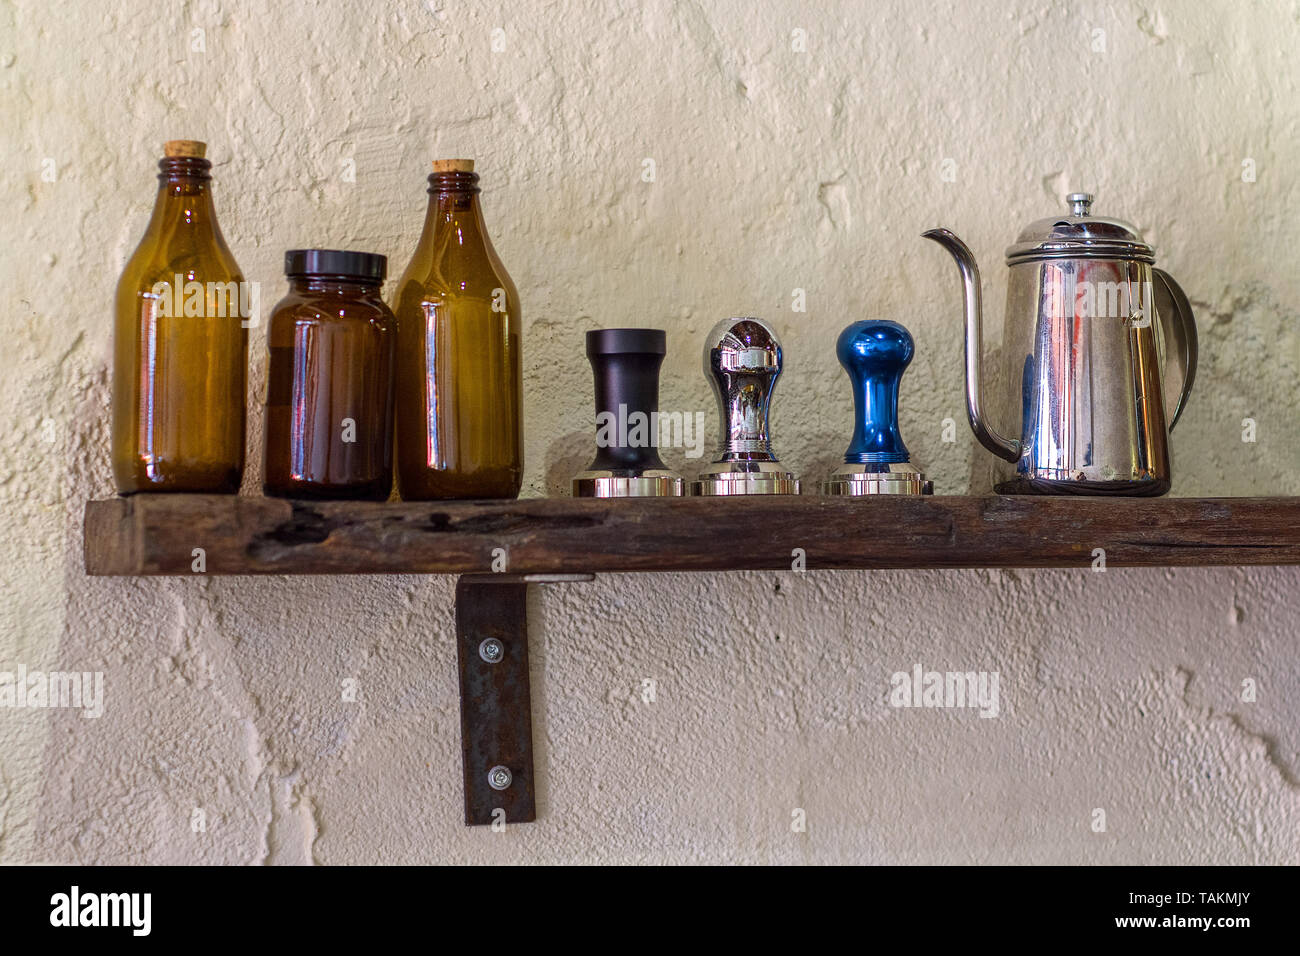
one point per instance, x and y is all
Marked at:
(1079, 235)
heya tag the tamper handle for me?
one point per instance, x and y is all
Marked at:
(626, 363)
(742, 359)
(875, 353)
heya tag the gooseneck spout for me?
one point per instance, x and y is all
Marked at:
(970, 278)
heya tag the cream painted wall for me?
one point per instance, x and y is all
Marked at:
(775, 170)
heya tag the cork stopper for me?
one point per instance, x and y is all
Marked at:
(190, 148)
(453, 165)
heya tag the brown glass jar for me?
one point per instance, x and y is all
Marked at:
(180, 343)
(459, 393)
(329, 388)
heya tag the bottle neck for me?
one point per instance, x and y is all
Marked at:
(455, 215)
(334, 285)
(184, 196)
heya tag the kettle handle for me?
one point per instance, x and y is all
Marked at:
(1179, 326)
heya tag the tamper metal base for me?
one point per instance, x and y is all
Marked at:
(649, 484)
(899, 479)
(745, 483)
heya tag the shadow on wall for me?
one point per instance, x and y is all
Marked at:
(567, 455)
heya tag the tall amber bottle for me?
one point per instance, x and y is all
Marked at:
(180, 349)
(459, 396)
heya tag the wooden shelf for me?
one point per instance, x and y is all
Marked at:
(551, 538)
(157, 534)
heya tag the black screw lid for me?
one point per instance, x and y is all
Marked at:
(367, 266)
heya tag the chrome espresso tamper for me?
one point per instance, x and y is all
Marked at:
(626, 367)
(875, 353)
(742, 359)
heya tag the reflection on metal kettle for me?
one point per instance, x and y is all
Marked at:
(1104, 347)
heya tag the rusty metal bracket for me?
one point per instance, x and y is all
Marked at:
(496, 714)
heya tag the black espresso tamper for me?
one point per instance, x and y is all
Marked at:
(626, 367)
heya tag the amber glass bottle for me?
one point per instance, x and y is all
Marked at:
(329, 387)
(180, 348)
(459, 397)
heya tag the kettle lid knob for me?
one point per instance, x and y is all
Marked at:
(1080, 203)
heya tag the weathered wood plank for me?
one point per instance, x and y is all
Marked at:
(158, 534)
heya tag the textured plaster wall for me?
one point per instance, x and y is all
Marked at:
(775, 170)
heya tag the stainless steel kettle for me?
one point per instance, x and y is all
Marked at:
(1098, 357)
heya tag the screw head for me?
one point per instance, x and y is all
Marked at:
(500, 778)
(491, 650)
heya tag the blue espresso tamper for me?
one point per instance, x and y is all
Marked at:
(875, 353)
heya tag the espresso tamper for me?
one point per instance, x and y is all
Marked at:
(626, 367)
(742, 359)
(875, 353)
